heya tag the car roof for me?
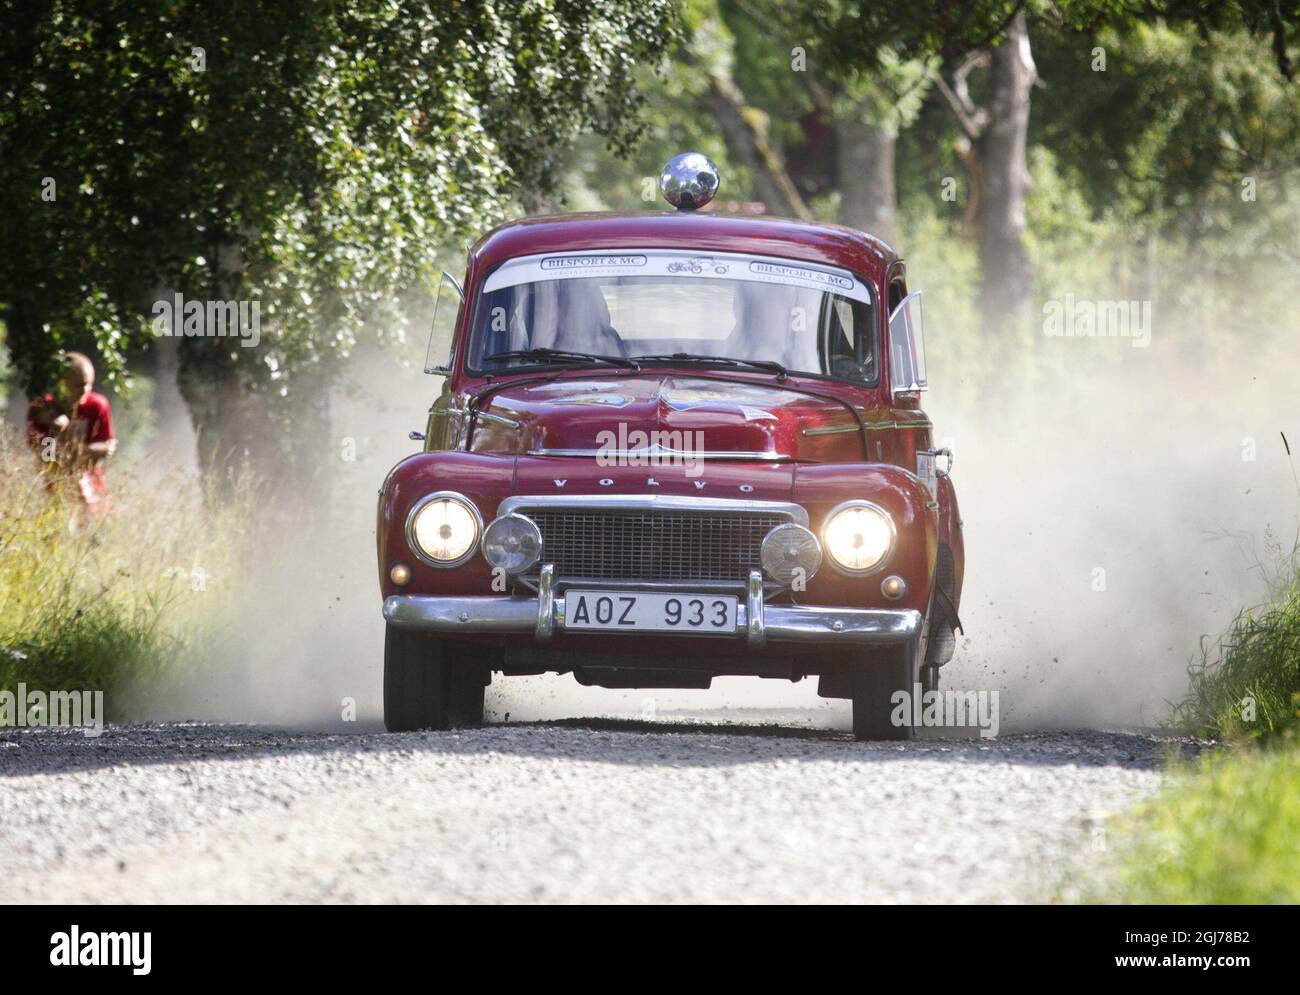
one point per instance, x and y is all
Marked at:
(693, 230)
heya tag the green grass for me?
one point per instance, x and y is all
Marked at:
(1226, 831)
(1247, 685)
(110, 605)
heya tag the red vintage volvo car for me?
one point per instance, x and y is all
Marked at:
(671, 447)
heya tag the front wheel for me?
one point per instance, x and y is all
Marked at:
(428, 684)
(878, 711)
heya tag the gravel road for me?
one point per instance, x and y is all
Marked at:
(555, 812)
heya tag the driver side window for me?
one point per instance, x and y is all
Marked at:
(847, 338)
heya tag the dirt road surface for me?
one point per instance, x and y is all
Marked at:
(555, 812)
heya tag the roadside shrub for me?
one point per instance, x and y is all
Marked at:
(1247, 684)
(110, 604)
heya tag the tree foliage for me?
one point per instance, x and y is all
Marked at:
(314, 157)
(1178, 114)
(855, 32)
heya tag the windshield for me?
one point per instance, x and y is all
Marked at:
(663, 306)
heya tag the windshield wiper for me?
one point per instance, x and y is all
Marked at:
(767, 365)
(563, 356)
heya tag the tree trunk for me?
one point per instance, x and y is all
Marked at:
(1007, 271)
(174, 441)
(240, 417)
(744, 129)
(229, 423)
(864, 167)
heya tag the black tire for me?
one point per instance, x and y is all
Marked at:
(875, 680)
(468, 685)
(426, 685)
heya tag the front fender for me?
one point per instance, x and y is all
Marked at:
(484, 479)
(905, 499)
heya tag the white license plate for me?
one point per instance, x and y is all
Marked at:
(630, 611)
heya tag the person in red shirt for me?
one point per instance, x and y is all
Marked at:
(72, 429)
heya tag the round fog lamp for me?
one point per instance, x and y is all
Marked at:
(512, 543)
(859, 536)
(790, 552)
(443, 528)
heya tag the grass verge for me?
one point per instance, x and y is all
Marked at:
(1225, 831)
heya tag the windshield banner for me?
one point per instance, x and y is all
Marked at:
(670, 263)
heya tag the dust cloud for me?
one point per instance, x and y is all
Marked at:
(1120, 503)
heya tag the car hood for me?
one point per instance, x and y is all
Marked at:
(661, 412)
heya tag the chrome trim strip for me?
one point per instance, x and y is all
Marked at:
(830, 429)
(654, 502)
(415, 546)
(755, 634)
(869, 426)
(779, 623)
(486, 416)
(875, 425)
(663, 452)
(863, 625)
(627, 584)
(471, 614)
(546, 612)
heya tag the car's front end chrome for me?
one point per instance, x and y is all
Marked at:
(756, 621)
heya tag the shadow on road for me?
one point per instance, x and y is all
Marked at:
(36, 752)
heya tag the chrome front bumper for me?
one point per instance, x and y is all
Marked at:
(756, 622)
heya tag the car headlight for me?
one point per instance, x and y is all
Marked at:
(859, 536)
(443, 529)
(512, 543)
(790, 552)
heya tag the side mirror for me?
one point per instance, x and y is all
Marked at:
(442, 331)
